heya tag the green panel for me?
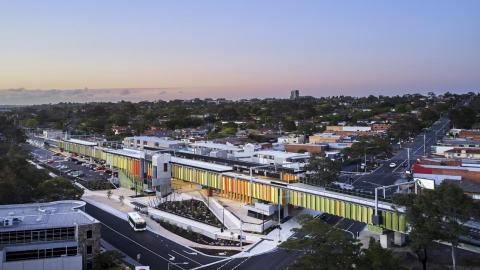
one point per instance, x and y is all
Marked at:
(402, 224)
(384, 218)
(318, 208)
(388, 221)
(364, 214)
(348, 210)
(342, 209)
(395, 221)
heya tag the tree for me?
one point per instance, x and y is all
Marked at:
(437, 215)
(368, 146)
(322, 170)
(455, 208)
(405, 128)
(378, 258)
(109, 194)
(429, 116)
(31, 123)
(463, 117)
(59, 188)
(121, 198)
(107, 259)
(325, 247)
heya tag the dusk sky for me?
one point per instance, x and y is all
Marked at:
(53, 51)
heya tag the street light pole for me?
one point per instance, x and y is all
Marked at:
(279, 208)
(365, 155)
(408, 158)
(424, 149)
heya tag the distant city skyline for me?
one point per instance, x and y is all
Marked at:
(54, 51)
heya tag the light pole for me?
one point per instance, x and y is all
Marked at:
(408, 159)
(424, 149)
(279, 228)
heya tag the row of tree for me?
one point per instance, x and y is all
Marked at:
(302, 115)
(20, 181)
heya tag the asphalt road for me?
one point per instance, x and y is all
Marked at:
(386, 175)
(279, 259)
(155, 251)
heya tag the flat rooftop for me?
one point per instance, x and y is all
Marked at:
(201, 164)
(281, 154)
(219, 146)
(155, 139)
(128, 153)
(35, 216)
(82, 142)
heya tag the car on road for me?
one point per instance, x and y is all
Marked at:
(343, 185)
(392, 165)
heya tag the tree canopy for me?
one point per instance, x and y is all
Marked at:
(326, 247)
(437, 215)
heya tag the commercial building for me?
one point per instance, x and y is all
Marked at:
(309, 148)
(294, 94)
(44, 236)
(469, 134)
(151, 142)
(380, 127)
(220, 150)
(325, 138)
(277, 158)
(470, 153)
(292, 138)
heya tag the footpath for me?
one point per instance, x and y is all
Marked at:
(258, 244)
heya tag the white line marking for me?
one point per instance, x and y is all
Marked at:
(240, 263)
(128, 238)
(186, 257)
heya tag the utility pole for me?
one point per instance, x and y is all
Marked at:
(424, 149)
(408, 159)
(279, 208)
(365, 154)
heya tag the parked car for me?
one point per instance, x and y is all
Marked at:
(343, 185)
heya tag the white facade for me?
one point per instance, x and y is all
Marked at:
(52, 134)
(285, 159)
(356, 128)
(142, 142)
(161, 178)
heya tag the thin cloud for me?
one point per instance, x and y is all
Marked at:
(21, 96)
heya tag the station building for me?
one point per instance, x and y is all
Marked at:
(247, 181)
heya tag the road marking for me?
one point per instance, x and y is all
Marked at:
(190, 253)
(221, 266)
(187, 257)
(241, 263)
(140, 245)
(172, 258)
